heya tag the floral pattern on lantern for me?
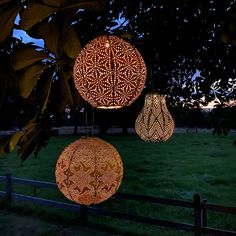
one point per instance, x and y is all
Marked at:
(109, 72)
(89, 171)
(154, 123)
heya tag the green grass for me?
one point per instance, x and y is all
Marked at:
(178, 168)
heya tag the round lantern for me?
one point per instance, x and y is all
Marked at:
(89, 171)
(154, 123)
(109, 72)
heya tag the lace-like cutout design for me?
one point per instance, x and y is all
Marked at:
(154, 123)
(89, 171)
(109, 72)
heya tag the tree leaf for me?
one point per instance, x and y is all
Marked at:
(1, 150)
(46, 94)
(50, 32)
(30, 126)
(54, 3)
(28, 146)
(127, 36)
(67, 91)
(28, 129)
(7, 21)
(25, 56)
(35, 13)
(4, 1)
(86, 4)
(14, 140)
(70, 44)
(29, 79)
(224, 37)
(3, 142)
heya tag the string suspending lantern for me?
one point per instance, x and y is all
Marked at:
(89, 171)
(154, 123)
(109, 72)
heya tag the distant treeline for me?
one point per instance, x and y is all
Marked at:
(125, 118)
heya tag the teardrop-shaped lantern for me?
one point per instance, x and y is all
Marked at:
(154, 123)
(109, 73)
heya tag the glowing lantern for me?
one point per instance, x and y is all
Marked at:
(154, 123)
(89, 171)
(109, 73)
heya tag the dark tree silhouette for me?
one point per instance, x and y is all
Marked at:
(176, 38)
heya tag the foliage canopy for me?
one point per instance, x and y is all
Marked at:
(176, 38)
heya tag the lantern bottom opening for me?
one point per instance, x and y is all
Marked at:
(110, 107)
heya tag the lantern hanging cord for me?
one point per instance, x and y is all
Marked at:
(89, 128)
(86, 122)
(152, 80)
(92, 129)
(159, 75)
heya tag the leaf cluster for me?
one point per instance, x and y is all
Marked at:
(36, 80)
(176, 39)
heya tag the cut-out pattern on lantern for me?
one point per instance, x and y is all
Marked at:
(109, 72)
(154, 123)
(89, 171)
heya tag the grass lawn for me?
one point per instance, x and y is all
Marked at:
(184, 165)
(30, 225)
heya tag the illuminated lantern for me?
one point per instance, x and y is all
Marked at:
(109, 72)
(154, 123)
(89, 171)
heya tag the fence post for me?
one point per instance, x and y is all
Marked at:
(204, 213)
(34, 189)
(8, 188)
(197, 215)
(83, 214)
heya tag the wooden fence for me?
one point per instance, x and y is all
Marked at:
(200, 208)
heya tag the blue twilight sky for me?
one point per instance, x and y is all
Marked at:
(21, 34)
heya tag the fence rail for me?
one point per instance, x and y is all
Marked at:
(200, 208)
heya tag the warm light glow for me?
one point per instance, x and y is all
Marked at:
(109, 73)
(154, 123)
(89, 171)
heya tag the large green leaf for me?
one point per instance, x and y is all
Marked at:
(85, 4)
(29, 144)
(66, 91)
(70, 43)
(3, 142)
(29, 78)
(1, 150)
(28, 129)
(4, 1)
(35, 13)
(26, 56)
(14, 140)
(50, 32)
(7, 21)
(54, 3)
(91, 5)
(46, 93)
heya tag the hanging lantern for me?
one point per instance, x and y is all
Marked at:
(154, 123)
(109, 73)
(89, 171)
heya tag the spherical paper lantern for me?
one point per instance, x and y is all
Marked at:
(89, 171)
(154, 123)
(109, 72)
